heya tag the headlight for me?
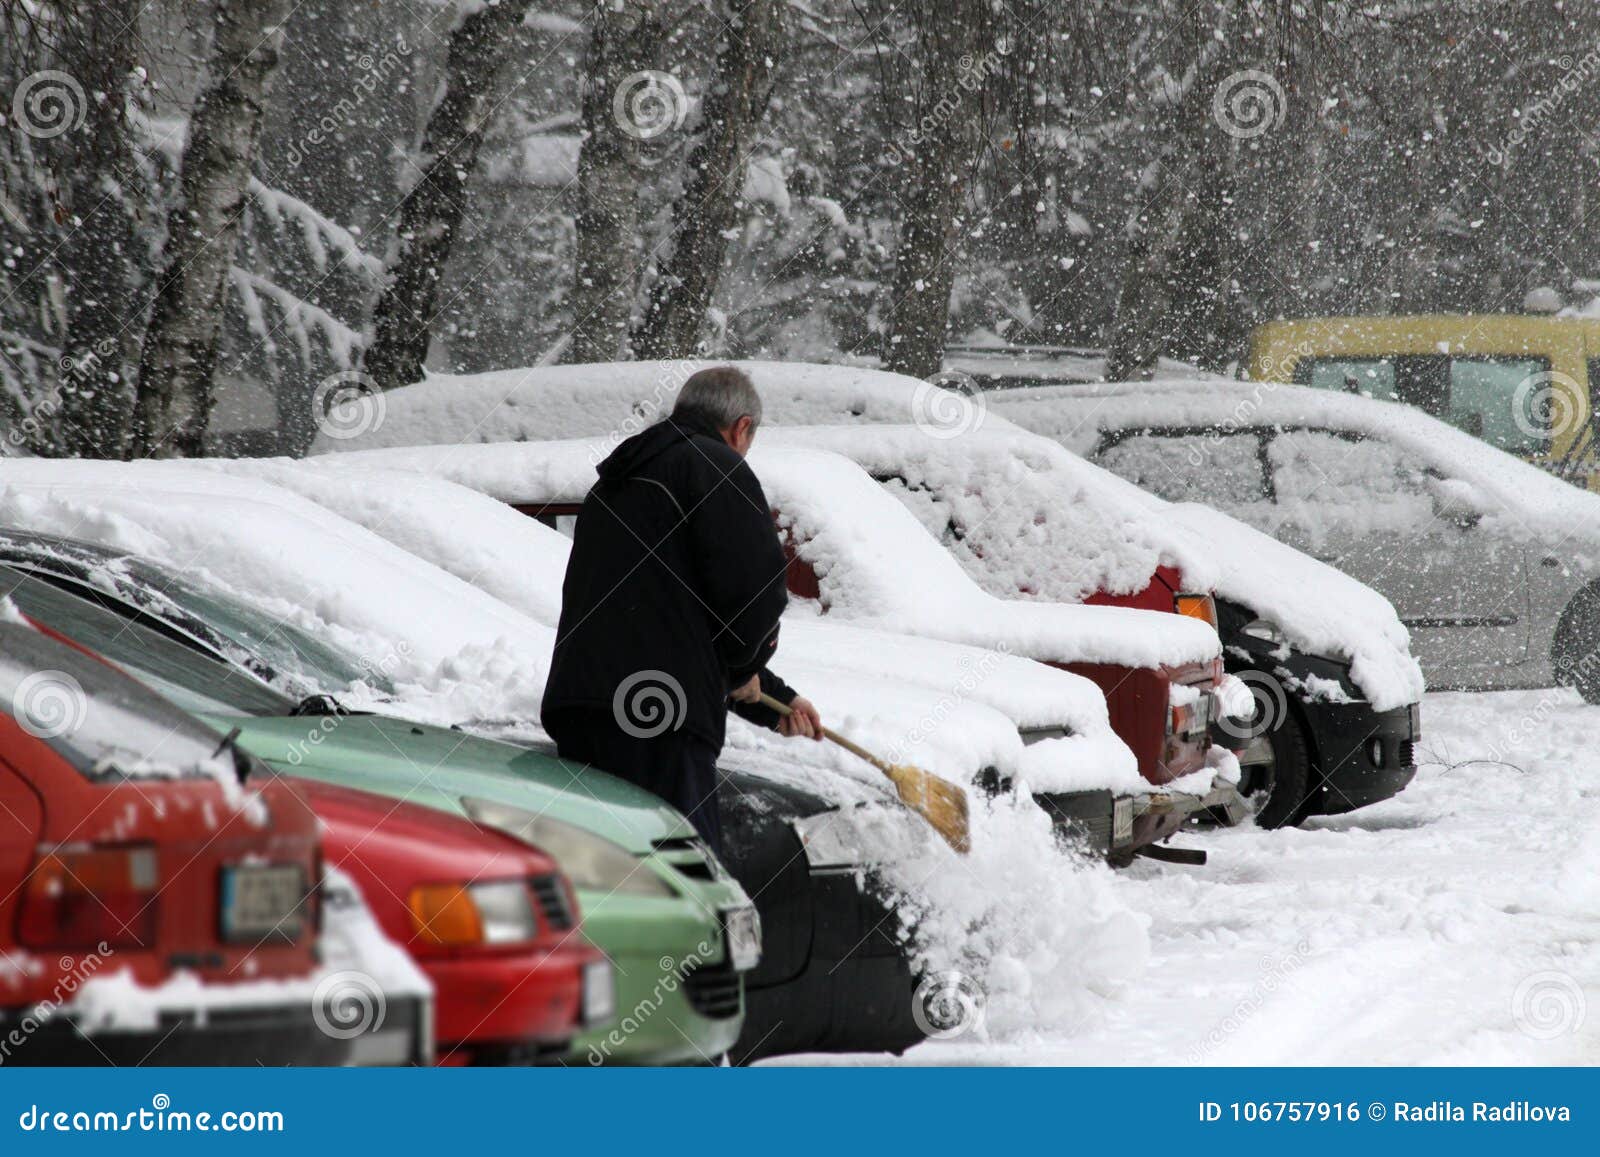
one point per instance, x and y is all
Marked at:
(462, 915)
(590, 861)
(1265, 630)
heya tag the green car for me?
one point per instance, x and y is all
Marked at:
(679, 930)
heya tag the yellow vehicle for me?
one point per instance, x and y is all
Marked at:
(1521, 383)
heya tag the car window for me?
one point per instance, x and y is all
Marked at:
(1369, 377)
(282, 646)
(1218, 469)
(191, 680)
(1504, 401)
(1326, 480)
(99, 721)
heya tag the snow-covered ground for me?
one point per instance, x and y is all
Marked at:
(1456, 924)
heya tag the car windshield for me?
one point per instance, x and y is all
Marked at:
(282, 646)
(101, 722)
(193, 681)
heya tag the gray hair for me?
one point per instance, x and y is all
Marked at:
(721, 395)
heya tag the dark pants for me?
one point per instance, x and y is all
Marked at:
(678, 767)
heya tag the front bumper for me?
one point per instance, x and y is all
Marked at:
(520, 1008)
(1117, 826)
(679, 1000)
(265, 1035)
(1366, 756)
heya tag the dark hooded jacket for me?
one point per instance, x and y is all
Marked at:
(673, 590)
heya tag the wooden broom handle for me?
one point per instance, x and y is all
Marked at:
(853, 748)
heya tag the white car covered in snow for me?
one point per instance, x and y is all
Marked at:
(1492, 564)
(1326, 659)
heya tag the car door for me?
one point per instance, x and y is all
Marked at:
(1415, 536)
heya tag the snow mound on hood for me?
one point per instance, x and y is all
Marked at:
(296, 561)
(1025, 517)
(876, 562)
(921, 699)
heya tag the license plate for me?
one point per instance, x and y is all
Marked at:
(1121, 821)
(261, 902)
(744, 937)
(599, 993)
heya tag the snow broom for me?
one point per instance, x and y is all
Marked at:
(943, 805)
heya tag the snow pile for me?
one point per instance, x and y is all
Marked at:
(1516, 499)
(875, 562)
(920, 699)
(1059, 528)
(618, 399)
(299, 563)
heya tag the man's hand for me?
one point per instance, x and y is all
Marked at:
(750, 692)
(802, 719)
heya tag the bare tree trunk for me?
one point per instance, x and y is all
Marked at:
(685, 283)
(104, 193)
(173, 406)
(1156, 233)
(951, 63)
(432, 210)
(605, 271)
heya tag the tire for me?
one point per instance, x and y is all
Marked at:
(1288, 778)
(1575, 654)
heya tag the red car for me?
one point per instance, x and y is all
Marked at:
(153, 909)
(492, 922)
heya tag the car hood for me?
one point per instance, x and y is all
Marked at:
(437, 766)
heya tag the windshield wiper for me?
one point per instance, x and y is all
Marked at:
(241, 761)
(319, 705)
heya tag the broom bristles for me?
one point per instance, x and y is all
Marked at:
(943, 805)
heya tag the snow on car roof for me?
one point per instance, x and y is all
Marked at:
(1076, 416)
(552, 402)
(844, 668)
(1034, 518)
(294, 560)
(874, 559)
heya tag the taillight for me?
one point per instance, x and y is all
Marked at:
(1196, 607)
(82, 897)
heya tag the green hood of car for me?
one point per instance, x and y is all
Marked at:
(436, 766)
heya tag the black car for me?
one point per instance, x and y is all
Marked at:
(836, 971)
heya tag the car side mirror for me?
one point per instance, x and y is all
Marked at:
(1456, 502)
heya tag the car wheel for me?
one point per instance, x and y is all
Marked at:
(1576, 653)
(1277, 766)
